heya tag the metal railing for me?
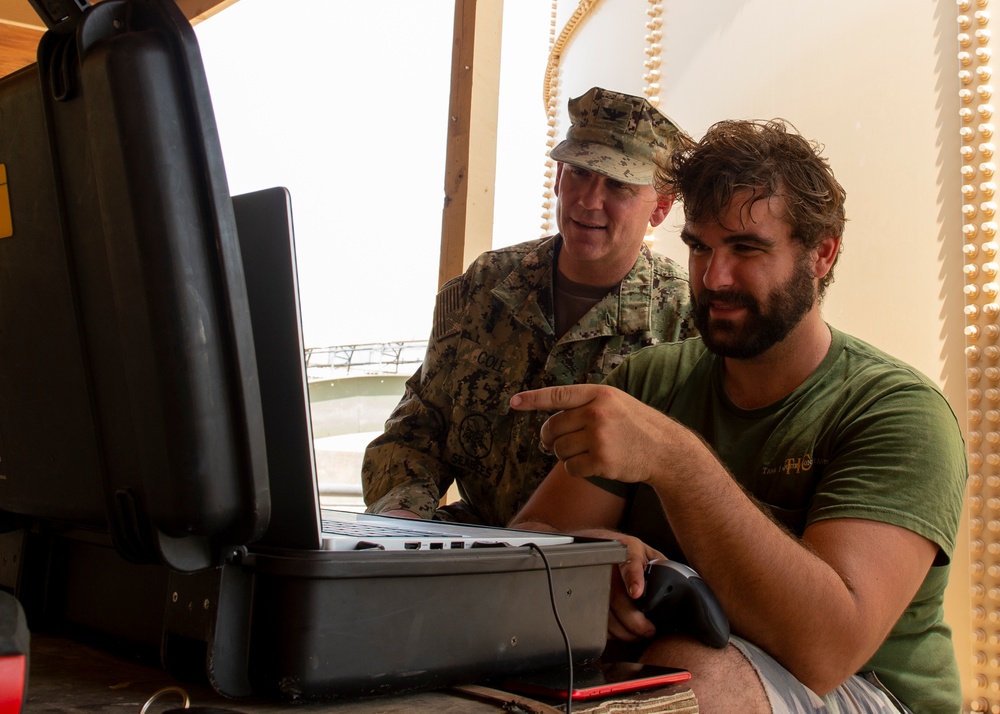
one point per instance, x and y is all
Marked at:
(399, 357)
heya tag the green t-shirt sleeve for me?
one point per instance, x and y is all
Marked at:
(897, 452)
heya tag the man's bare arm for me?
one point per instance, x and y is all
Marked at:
(568, 505)
(793, 597)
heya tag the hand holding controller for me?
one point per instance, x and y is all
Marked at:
(677, 600)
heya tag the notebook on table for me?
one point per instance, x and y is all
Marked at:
(266, 236)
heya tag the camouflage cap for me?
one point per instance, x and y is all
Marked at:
(617, 135)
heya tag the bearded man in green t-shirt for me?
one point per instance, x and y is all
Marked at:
(814, 482)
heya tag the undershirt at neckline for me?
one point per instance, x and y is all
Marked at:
(573, 300)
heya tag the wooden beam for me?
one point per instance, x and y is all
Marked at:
(20, 12)
(198, 10)
(21, 28)
(20, 45)
(470, 166)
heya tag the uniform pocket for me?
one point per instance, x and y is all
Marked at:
(481, 388)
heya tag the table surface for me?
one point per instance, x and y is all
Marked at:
(70, 677)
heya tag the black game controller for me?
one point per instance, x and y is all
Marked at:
(677, 600)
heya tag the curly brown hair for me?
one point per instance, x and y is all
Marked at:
(769, 158)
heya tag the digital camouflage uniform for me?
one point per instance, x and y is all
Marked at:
(493, 337)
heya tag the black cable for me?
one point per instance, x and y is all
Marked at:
(562, 630)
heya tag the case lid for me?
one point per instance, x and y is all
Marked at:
(128, 380)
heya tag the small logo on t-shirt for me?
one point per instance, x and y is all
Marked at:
(793, 465)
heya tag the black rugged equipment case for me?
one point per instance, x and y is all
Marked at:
(322, 624)
(133, 482)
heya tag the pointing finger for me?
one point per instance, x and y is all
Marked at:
(555, 398)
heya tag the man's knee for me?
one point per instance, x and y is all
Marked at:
(744, 678)
(723, 680)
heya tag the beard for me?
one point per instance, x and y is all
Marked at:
(764, 326)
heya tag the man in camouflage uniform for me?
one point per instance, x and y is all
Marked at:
(559, 310)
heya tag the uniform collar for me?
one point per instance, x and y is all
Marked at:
(527, 291)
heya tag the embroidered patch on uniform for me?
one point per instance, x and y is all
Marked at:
(446, 310)
(476, 436)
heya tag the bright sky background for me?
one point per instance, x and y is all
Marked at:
(345, 103)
